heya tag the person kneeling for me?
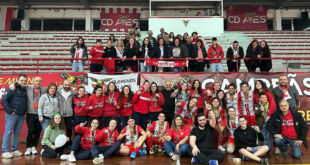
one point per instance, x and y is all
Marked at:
(133, 142)
(245, 138)
(108, 143)
(80, 148)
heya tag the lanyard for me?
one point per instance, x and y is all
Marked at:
(178, 138)
(110, 137)
(92, 137)
(35, 94)
(111, 98)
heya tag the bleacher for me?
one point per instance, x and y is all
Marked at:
(57, 44)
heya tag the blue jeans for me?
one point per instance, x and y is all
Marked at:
(44, 124)
(170, 148)
(13, 123)
(178, 69)
(79, 152)
(105, 150)
(216, 67)
(145, 68)
(140, 119)
(77, 67)
(284, 143)
(266, 134)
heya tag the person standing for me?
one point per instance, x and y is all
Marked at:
(235, 52)
(15, 105)
(79, 54)
(215, 51)
(96, 53)
(265, 65)
(252, 53)
(168, 107)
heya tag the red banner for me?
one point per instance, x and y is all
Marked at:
(119, 20)
(300, 80)
(172, 64)
(246, 18)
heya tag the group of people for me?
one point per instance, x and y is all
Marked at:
(112, 57)
(178, 121)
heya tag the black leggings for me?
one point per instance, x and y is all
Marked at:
(204, 156)
(50, 153)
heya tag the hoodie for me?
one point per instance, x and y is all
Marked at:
(216, 52)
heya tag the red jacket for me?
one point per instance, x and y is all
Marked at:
(80, 105)
(87, 139)
(96, 52)
(156, 103)
(106, 138)
(272, 103)
(212, 53)
(125, 107)
(141, 102)
(97, 103)
(200, 97)
(109, 109)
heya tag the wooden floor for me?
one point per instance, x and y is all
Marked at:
(142, 160)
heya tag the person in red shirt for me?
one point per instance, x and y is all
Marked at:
(212, 92)
(232, 98)
(79, 106)
(215, 51)
(199, 93)
(219, 113)
(95, 104)
(188, 111)
(155, 133)
(96, 53)
(196, 38)
(246, 103)
(80, 148)
(134, 139)
(288, 127)
(110, 105)
(141, 101)
(230, 123)
(261, 87)
(176, 140)
(108, 143)
(156, 103)
(124, 104)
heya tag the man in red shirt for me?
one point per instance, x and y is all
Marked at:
(215, 52)
(288, 127)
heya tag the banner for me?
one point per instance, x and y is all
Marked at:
(246, 18)
(6, 14)
(119, 20)
(120, 81)
(300, 80)
(171, 64)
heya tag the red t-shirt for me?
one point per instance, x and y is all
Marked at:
(106, 137)
(288, 128)
(179, 134)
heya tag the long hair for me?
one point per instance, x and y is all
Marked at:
(199, 88)
(61, 125)
(190, 101)
(201, 43)
(83, 43)
(164, 43)
(174, 126)
(107, 92)
(156, 91)
(176, 38)
(266, 48)
(264, 86)
(223, 100)
(97, 87)
(144, 45)
(128, 44)
(122, 95)
(50, 86)
(134, 126)
(180, 91)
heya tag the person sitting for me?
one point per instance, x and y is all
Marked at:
(187, 111)
(245, 138)
(288, 127)
(201, 141)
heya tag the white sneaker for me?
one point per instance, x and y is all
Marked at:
(64, 157)
(277, 151)
(221, 148)
(71, 158)
(7, 155)
(97, 160)
(34, 151)
(41, 151)
(28, 152)
(17, 153)
(175, 157)
(101, 156)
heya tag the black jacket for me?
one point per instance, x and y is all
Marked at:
(252, 54)
(168, 107)
(131, 52)
(246, 138)
(85, 54)
(265, 65)
(188, 49)
(142, 53)
(156, 52)
(109, 52)
(204, 52)
(153, 41)
(15, 101)
(275, 125)
(230, 54)
(181, 52)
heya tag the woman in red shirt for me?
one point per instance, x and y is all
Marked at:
(188, 110)
(79, 106)
(199, 93)
(134, 139)
(110, 106)
(96, 60)
(176, 140)
(108, 144)
(155, 133)
(156, 103)
(95, 105)
(261, 87)
(80, 148)
(219, 112)
(124, 104)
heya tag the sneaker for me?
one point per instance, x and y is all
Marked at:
(213, 162)
(7, 155)
(97, 160)
(142, 152)
(195, 161)
(277, 151)
(71, 158)
(264, 161)
(151, 151)
(101, 156)
(41, 152)
(285, 155)
(28, 152)
(64, 157)
(133, 155)
(160, 149)
(244, 158)
(221, 148)
(175, 157)
(34, 151)
(17, 153)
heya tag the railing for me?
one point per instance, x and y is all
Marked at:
(38, 63)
